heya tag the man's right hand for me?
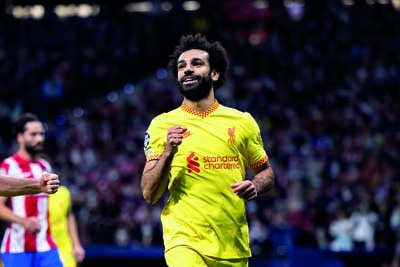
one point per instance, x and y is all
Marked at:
(49, 183)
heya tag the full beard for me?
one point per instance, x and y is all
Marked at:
(34, 150)
(197, 91)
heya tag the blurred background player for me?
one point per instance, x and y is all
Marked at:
(64, 228)
(27, 240)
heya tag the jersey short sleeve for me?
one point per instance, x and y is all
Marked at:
(155, 138)
(256, 154)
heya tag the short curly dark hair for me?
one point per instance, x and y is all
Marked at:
(218, 56)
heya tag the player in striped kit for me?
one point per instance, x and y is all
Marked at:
(27, 241)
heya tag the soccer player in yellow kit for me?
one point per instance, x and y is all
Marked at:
(200, 152)
(64, 228)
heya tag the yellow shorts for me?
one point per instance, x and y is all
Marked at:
(182, 256)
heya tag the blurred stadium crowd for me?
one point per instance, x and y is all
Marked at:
(325, 89)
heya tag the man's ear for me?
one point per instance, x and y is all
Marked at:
(214, 75)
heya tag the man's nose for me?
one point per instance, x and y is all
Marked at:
(40, 138)
(188, 69)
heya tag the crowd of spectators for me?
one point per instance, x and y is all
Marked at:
(325, 89)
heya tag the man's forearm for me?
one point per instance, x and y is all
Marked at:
(264, 180)
(13, 186)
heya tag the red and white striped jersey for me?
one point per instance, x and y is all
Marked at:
(15, 238)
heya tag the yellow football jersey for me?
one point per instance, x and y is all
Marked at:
(202, 211)
(59, 205)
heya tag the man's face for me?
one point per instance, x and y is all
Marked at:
(194, 75)
(33, 138)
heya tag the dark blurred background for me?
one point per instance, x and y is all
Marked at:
(322, 78)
